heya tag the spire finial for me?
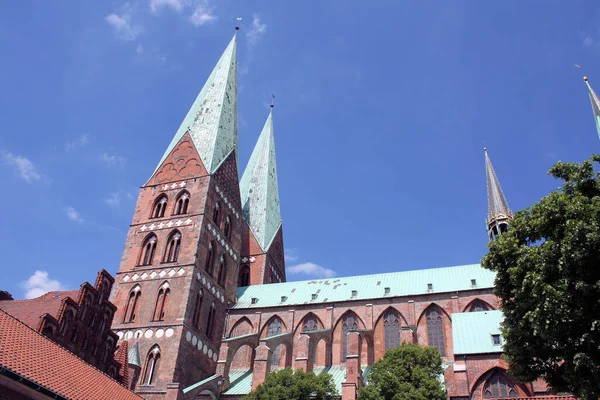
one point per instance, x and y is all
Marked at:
(237, 25)
(594, 100)
(272, 102)
(499, 214)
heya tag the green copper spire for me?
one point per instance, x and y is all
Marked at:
(498, 211)
(212, 119)
(259, 190)
(595, 104)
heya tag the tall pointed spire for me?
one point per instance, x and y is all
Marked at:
(259, 189)
(498, 211)
(212, 119)
(595, 104)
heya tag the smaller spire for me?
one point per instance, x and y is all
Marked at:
(498, 211)
(595, 104)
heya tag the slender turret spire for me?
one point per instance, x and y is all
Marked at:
(212, 119)
(595, 104)
(259, 190)
(499, 213)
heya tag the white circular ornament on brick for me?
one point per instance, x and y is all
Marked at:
(200, 344)
(188, 336)
(128, 335)
(210, 353)
(205, 349)
(138, 333)
(194, 341)
(160, 333)
(120, 335)
(215, 358)
(148, 334)
(169, 332)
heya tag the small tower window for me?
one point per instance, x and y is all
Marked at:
(227, 228)
(208, 267)
(152, 363)
(173, 245)
(210, 325)
(197, 309)
(222, 271)
(183, 201)
(148, 250)
(132, 304)
(160, 206)
(244, 277)
(162, 302)
(217, 213)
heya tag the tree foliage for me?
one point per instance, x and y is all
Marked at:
(408, 372)
(286, 384)
(548, 280)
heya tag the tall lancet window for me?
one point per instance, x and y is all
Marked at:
(274, 329)
(348, 325)
(132, 304)
(391, 329)
(227, 228)
(210, 324)
(160, 206)
(197, 309)
(182, 203)
(435, 330)
(173, 245)
(310, 324)
(498, 387)
(152, 364)
(148, 250)
(217, 213)
(222, 271)
(162, 302)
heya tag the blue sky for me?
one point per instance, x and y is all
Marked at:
(383, 110)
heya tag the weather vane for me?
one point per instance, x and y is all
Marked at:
(237, 27)
(273, 101)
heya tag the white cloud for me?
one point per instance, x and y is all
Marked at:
(22, 166)
(73, 215)
(40, 283)
(311, 269)
(588, 41)
(256, 31)
(124, 28)
(291, 255)
(157, 5)
(81, 141)
(202, 14)
(114, 199)
(112, 160)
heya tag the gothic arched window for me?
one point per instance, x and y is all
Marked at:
(162, 302)
(152, 364)
(197, 309)
(217, 213)
(244, 276)
(499, 387)
(173, 245)
(275, 329)
(148, 250)
(310, 324)
(391, 329)
(181, 205)
(210, 255)
(478, 306)
(227, 228)
(222, 271)
(348, 325)
(210, 324)
(132, 304)
(435, 330)
(160, 206)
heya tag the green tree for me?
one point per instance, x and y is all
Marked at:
(408, 372)
(548, 280)
(286, 384)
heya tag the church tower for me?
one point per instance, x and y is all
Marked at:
(179, 268)
(499, 213)
(263, 258)
(595, 104)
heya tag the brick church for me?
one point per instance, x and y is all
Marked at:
(203, 309)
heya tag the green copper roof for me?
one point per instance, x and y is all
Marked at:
(212, 119)
(497, 204)
(472, 332)
(405, 283)
(259, 190)
(595, 105)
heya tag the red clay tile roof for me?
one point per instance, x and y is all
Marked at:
(30, 311)
(121, 356)
(36, 358)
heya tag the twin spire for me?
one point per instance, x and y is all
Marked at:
(499, 214)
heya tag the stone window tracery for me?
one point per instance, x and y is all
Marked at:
(348, 325)
(162, 302)
(132, 304)
(275, 329)
(499, 387)
(435, 330)
(152, 364)
(173, 245)
(182, 204)
(478, 306)
(160, 206)
(391, 329)
(148, 250)
(310, 324)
